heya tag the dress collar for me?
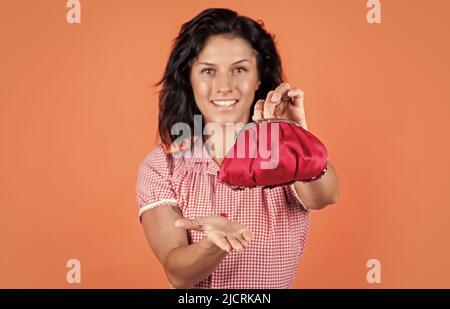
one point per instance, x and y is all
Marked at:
(201, 154)
(198, 157)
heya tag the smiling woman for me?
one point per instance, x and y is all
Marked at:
(205, 234)
(224, 79)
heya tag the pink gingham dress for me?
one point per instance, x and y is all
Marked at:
(276, 217)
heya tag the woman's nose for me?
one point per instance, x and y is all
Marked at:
(224, 83)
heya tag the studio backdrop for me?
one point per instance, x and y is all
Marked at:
(79, 112)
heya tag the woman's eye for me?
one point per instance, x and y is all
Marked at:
(241, 69)
(207, 71)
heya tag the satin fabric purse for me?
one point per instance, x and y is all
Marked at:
(273, 152)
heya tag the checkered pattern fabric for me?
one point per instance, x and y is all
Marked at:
(276, 217)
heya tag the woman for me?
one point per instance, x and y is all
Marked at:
(226, 68)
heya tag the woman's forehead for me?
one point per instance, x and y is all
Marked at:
(225, 49)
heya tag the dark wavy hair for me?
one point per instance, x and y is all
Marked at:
(176, 98)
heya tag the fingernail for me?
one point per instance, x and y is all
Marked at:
(275, 97)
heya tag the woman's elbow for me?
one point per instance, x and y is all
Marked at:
(320, 204)
(178, 283)
(334, 198)
(337, 193)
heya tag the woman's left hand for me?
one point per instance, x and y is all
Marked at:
(283, 102)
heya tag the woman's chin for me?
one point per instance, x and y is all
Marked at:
(224, 121)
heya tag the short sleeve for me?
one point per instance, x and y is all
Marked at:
(153, 186)
(293, 198)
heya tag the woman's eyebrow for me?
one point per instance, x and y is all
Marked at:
(212, 64)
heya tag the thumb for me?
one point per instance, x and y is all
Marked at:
(190, 224)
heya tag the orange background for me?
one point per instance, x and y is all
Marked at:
(78, 114)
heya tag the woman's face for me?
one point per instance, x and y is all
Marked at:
(224, 79)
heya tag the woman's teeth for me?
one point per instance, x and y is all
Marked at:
(225, 102)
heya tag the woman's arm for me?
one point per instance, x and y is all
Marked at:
(190, 264)
(321, 192)
(184, 264)
(287, 102)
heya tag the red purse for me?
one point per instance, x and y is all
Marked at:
(273, 152)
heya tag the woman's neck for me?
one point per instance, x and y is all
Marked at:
(220, 142)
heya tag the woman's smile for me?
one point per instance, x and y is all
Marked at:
(225, 105)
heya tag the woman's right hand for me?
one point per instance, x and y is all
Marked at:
(220, 231)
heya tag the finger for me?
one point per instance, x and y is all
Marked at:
(240, 237)
(235, 243)
(190, 224)
(297, 95)
(258, 110)
(281, 92)
(281, 97)
(247, 234)
(269, 106)
(242, 241)
(223, 244)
